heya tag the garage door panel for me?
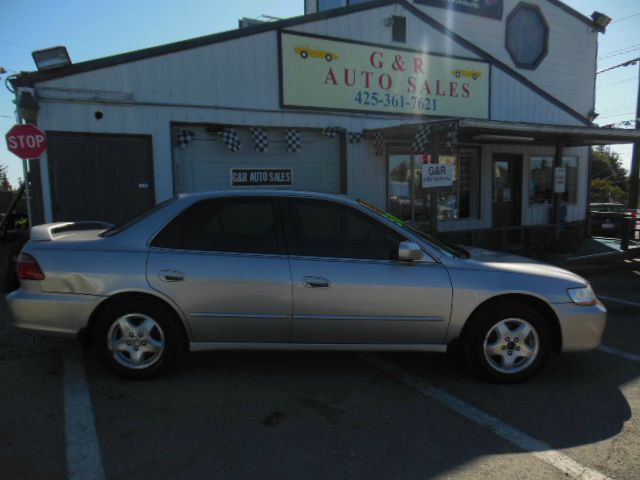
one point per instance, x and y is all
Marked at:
(205, 163)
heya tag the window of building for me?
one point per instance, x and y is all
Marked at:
(541, 180)
(409, 201)
(326, 229)
(243, 225)
(527, 36)
(329, 4)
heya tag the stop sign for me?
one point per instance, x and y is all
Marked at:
(26, 141)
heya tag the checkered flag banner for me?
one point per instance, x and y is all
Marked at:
(292, 138)
(230, 139)
(378, 144)
(260, 139)
(331, 132)
(452, 136)
(184, 137)
(355, 137)
(421, 140)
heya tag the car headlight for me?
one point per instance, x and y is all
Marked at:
(582, 296)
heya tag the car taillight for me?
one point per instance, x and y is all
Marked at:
(634, 214)
(28, 268)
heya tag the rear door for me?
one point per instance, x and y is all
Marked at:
(223, 262)
(349, 287)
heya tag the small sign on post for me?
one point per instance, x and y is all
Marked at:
(560, 180)
(437, 175)
(26, 141)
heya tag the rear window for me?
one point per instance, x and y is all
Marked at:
(129, 223)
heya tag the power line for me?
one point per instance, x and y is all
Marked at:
(620, 51)
(627, 17)
(625, 64)
(617, 83)
(16, 44)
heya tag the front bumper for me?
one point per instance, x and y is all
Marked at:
(51, 314)
(581, 326)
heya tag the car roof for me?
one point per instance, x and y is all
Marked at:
(265, 192)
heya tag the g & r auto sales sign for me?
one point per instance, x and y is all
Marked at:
(335, 75)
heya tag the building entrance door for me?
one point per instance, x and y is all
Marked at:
(507, 190)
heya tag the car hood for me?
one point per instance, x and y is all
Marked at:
(488, 260)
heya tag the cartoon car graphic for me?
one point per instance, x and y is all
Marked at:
(306, 52)
(475, 74)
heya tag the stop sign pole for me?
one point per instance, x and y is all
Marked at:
(29, 143)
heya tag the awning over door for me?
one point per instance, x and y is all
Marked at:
(494, 132)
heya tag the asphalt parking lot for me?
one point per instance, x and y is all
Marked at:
(325, 415)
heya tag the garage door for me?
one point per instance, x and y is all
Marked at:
(202, 160)
(100, 177)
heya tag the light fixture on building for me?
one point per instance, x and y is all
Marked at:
(502, 138)
(600, 19)
(50, 58)
(27, 105)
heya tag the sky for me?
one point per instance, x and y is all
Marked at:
(96, 28)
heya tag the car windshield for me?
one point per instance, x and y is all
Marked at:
(439, 244)
(129, 223)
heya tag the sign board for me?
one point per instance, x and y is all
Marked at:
(261, 177)
(437, 176)
(483, 8)
(560, 180)
(329, 74)
(26, 141)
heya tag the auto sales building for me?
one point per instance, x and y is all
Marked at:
(490, 101)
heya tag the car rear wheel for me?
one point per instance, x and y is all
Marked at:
(138, 339)
(508, 343)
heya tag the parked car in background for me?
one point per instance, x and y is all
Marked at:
(607, 219)
(293, 270)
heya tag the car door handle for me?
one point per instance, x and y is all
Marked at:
(170, 276)
(316, 282)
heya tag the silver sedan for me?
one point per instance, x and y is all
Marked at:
(293, 270)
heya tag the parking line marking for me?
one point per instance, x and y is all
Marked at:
(539, 449)
(84, 460)
(618, 300)
(619, 353)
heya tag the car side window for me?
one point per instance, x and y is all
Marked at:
(243, 225)
(326, 229)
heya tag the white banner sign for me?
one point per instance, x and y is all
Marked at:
(560, 180)
(437, 176)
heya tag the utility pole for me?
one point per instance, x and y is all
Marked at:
(634, 174)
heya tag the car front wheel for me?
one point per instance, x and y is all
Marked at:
(508, 343)
(137, 340)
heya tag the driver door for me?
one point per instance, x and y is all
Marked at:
(350, 288)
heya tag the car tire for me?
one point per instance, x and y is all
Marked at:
(494, 345)
(458, 74)
(138, 339)
(328, 57)
(304, 54)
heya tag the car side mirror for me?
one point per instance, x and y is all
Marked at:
(409, 251)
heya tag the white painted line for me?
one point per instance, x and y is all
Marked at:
(618, 300)
(84, 460)
(619, 353)
(539, 449)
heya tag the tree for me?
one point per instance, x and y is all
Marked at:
(5, 185)
(609, 180)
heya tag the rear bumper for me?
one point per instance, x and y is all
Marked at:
(51, 314)
(582, 327)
